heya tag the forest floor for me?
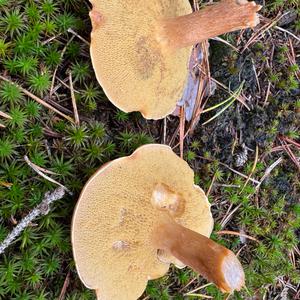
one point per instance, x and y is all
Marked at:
(246, 158)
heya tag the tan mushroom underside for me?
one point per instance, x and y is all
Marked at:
(115, 216)
(130, 64)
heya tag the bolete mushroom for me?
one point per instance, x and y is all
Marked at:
(140, 49)
(135, 216)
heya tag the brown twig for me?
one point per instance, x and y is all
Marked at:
(42, 209)
(65, 286)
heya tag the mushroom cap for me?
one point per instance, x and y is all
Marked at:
(117, 212)
(134, 68)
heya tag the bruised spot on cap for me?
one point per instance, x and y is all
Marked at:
(97, 18)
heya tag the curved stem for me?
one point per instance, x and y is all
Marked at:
(211, 21)
(213, 261)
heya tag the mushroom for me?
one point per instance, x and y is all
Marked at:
(140, 49)
(138, 214)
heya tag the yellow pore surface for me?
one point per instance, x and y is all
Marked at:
(133, 67)
(115, 217)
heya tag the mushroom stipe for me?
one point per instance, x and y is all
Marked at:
(136, 205)
(140, 49)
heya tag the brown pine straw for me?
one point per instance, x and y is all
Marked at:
(204, 77)
(260, 32)
(289, 152)
(292, 58)
(76, 115)
(65, 287)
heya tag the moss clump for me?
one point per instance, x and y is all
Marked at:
(39, 52)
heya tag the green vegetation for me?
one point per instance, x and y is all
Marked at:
(35, 45)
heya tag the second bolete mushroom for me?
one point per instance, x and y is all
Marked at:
(137, 215)
(140, 49)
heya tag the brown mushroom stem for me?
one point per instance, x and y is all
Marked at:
(213, 261)
(209, 22)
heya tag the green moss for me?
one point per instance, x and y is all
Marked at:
(32, 38)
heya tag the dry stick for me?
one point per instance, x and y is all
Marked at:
(77, 35)
(76, 115)
(198, 288)
(292, 258)
(292, 58)
(227, 298)
(226, 43)
(55, 71)
(2, 126)
(200, 296)
(31, 164)
(267, 94)
(288, 32)
(51, 39)
(65, 85)
(37, 99)
(231, 169)
(238, 234)
(268, 171)
(291, 141)
(256, 76)
(253, 168)
(228, 217)
(4, 115)
(181, 130)
(257, 35)
(211, 185)
(165, 131)
(240, 250)
(297, 250)
(37, 170)
(290, 153)
(64, 288)
(187, 285)
(42, 209)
